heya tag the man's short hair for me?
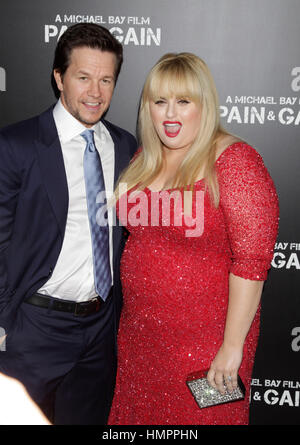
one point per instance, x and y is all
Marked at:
(80, 35)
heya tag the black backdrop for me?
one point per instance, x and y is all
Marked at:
(252, 49)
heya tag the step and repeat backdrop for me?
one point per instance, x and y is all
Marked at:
(252, 49)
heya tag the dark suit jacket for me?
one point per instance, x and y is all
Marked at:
(33, 208)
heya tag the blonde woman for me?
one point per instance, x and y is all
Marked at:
(194, 265)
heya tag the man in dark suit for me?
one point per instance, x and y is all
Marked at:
(60, 292)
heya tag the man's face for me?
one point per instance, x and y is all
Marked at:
(87, 85)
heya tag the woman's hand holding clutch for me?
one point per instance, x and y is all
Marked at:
(224, 368)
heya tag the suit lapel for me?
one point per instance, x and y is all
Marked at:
(52, 167)
(121, 157)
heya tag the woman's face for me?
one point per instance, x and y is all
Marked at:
(176, 121)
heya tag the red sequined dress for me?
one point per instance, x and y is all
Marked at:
(176, 290)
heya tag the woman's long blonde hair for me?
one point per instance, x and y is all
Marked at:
(182, 75)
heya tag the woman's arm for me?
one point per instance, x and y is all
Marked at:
(249, 202)
(244, 298)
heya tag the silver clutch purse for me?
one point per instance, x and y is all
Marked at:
(205, 395)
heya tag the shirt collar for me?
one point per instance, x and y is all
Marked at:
(68, 127)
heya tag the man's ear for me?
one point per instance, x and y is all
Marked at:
(58, 80)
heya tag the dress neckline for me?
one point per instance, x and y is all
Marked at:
(202, 179)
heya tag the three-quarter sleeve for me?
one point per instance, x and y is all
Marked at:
(249, 202)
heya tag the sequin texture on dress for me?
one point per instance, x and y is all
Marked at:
(176, 292)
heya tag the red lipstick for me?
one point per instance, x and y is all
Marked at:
(172, 129)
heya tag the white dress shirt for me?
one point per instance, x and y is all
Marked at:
(73, 275)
